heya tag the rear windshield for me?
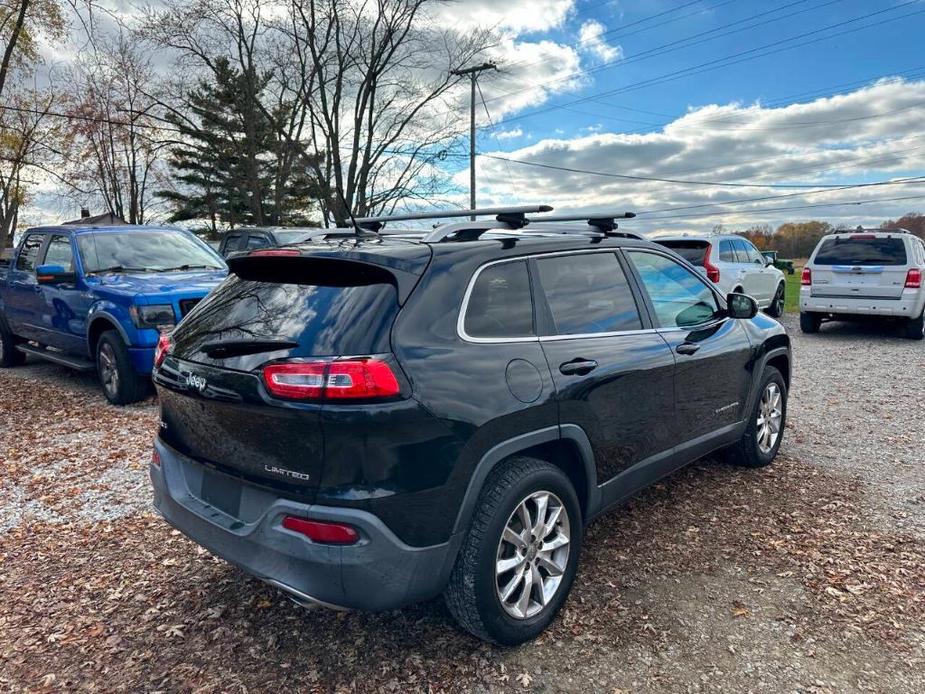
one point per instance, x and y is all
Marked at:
(854, 250)
(692, 251)
(324, 319)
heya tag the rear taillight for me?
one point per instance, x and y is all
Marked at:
(712, 270)
(164, 345)
(343, 379)
(322, 531)
(807, 276)
(914, 278)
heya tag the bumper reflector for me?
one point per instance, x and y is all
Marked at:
(321, 531)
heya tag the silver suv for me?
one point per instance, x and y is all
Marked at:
(733, 264)
(865, 272)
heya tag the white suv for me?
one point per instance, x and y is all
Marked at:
(866, 272)
(734, 265)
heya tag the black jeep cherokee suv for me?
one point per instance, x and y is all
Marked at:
(373, 420)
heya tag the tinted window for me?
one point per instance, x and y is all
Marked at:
(257, 242)
(337, 315)
(692, 251)
(139, 251)
(848, 250)
(726, 254)
(679, 297)
(231, 243)
(754, 256)
(741, 251)
(59, 253)
(588, 293)
(500, 304)
(29, 252)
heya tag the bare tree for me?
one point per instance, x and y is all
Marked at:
(114, 144)
(377, 86)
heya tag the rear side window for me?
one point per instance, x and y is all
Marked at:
(500, 304)
(327, 313)
(741, 251)
(588, 293)
(257, 242)
(29, 252)
(726, 254)
(861, 250)
(692, 251)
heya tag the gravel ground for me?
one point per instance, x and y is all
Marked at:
(806, 576)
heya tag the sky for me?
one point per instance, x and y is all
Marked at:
(762, 95)
(782, 102)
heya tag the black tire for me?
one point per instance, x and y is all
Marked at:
(473, 591)
(776, 309)
(9, 355)
(112, 359)
(915, 327)
(810, 322)
(747, 452)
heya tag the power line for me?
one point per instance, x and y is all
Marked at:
(513, 185)
(655, 179)
(783, 209)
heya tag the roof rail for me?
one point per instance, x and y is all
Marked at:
(513, 217)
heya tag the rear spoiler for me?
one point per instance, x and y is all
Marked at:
(339, 269)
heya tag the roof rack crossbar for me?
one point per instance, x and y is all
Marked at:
(512, 213)
(603, 221)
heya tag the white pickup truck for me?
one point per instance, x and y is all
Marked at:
(865, 272)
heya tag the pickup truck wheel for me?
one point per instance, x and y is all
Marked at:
(762, 438)
(516, 566)
(810, 322)
(9, 355)
(776, 309)
(915, 327)
(121, 383)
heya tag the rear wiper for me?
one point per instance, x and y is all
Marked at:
(238, 348)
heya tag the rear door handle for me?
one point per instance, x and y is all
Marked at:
(578, 367)
(687, 348)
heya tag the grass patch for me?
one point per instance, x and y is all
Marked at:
(792, 292)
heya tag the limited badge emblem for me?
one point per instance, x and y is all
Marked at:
(197, 382)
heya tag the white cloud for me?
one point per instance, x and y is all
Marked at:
(509, 134)
(871, 134)
(520, 16)
(592, 41)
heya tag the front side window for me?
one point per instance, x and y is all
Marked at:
(59, 253)
(588, 293)
(680, 299)
(145, 251)
(501, 305)
(29, 252)
(754, 255)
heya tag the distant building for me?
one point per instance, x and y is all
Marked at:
(101, 220)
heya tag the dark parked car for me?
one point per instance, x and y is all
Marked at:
(249, 239)
(374, 421)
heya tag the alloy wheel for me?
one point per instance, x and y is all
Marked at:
(109, 369)
(770, 416)
(532, 555)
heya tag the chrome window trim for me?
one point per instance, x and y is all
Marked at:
(461, 319)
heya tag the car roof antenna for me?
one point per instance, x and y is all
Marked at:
(357, 229)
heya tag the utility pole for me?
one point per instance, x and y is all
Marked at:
(472, 72)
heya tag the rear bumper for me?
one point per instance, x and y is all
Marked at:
(909, 305)
(378, 573)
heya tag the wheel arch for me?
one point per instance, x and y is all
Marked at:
(566, 446)
(100, 323)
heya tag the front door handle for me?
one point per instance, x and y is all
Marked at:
(577, 367)
(687, 348)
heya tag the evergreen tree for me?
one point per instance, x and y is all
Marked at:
(231, 166)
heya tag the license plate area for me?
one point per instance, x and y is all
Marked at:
(221, 491)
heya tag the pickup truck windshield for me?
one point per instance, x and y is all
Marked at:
(142, 251)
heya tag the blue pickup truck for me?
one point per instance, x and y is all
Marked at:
(97, 298)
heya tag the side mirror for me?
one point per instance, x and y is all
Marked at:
(54, 274)
(741, 306)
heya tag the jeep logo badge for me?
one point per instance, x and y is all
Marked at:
(197, 382)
